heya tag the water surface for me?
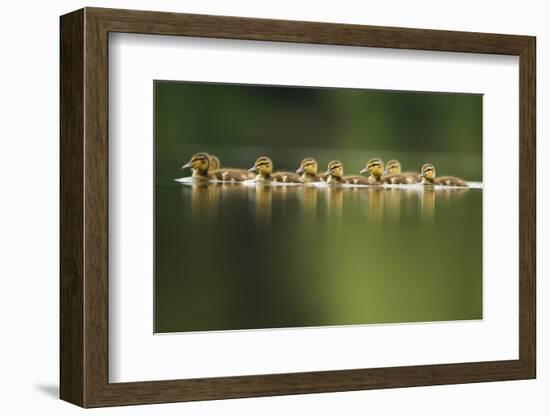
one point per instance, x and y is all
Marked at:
(247, 257)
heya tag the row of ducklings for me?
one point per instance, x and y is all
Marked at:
(205, 166)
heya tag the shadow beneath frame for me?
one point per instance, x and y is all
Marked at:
(51, 390)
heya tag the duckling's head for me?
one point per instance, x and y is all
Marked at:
(308, 167)
(263, 166)
(335, 169)
(214, 162)
(199, 163)
(393, 166)
(375, 167)
(428, 172)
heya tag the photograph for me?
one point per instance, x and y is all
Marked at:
(294, 207)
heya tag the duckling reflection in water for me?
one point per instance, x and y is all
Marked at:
(308, 201)
(427, 203)
(393, 174)
(205, 200)
(428, 177)
(263, 168)
(200, 165)
(216, 166)
(263, 200)
(335, 175)
(308, 171)
(335, 201)
(375, 169)
(392, 202)
(375, 205)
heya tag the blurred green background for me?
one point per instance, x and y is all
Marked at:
(239, 123)
(236, 257)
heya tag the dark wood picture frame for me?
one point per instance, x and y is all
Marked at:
(84, 207)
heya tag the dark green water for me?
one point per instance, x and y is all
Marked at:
(236, 257)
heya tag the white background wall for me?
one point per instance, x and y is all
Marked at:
(29, 160)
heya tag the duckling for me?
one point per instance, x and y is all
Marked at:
(335, 175)
(428, 177)
(263, 168)
(200, 165)
(308, 171)
(375, 169)
(393, 174)
(215, 165)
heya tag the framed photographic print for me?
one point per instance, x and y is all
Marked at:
(260, 207)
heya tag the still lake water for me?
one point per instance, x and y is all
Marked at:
(242, 257)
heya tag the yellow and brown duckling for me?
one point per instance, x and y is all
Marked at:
(215, 163)
(308, 171)
(374, 169)
(263, 169)
(428, 177)
(335, 175)
(221, 172)
(200, 165)
(394, 175)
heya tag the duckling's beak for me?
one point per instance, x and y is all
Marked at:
(300, 170)
(328, 172)
(365, 170)
(421, 175)
(253, 169)
(187, 165)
